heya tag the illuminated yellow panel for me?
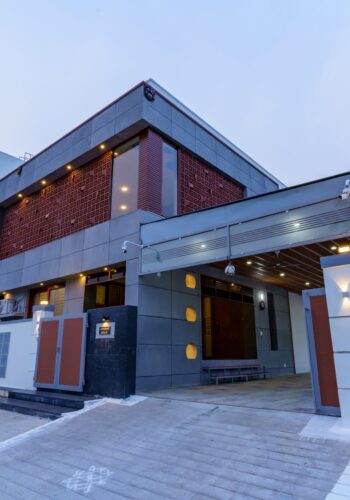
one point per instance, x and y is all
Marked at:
(191, 314)
(191, 351)
(190, 281)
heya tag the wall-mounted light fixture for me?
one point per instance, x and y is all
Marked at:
(69, 167)
(190, 281)
(262, 304)
(102, 147)
(345, 194)
(191, 351)
(191, 314)
(127, 242)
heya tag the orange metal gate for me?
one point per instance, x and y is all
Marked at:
(323, 374)
(61, 353)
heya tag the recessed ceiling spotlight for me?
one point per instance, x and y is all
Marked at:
(41, 284)
(43, 182)
(125, 189)
(105, 268)
(344, 249)
(334, 248)
(307, 283)
(81, 275)
(297, 224)
(249, 262)
(203, 245)
(282, 275)
(123, 207)
(102, 146)
(69, 167)
(20, 195)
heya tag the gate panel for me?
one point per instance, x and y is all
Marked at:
(323, 374)
(71, 353)
(61, 353)
(47, 353)
(324, 351)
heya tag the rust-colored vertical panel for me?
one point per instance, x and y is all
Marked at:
(72, 345)
(324, 351)
(45, 372)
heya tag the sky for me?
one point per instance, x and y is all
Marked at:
(273, 76)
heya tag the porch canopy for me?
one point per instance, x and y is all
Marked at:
(292, 227)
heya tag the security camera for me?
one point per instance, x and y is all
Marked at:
(345, 194)
(124, 247)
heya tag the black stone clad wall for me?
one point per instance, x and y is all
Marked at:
(110, 367)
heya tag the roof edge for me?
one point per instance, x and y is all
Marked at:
(173, 100)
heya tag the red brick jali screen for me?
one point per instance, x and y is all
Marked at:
(80, 199)
(202, 186)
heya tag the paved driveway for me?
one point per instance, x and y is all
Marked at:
(162, 448)
(13, 424)
(290, 393)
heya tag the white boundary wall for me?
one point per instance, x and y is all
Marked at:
(299, 335)
(337, 284)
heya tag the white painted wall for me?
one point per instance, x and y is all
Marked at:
(299, 335)
(337, 281)
(22, 354)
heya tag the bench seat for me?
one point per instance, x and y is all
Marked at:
(236, 372)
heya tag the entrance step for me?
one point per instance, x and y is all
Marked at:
(33, 408)
(45, 404)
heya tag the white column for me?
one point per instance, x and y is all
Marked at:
(336, 270)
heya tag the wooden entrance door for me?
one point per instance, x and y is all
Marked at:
(61, 353)
(323, 374)
(233, 330)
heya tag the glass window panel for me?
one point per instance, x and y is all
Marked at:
(125, 179)
(169, 181)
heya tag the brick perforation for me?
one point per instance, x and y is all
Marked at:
(79, 200)
(150, 172)
(201, 186)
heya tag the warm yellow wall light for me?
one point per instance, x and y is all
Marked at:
(190, 281)
(191, 314)
(191, 351)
